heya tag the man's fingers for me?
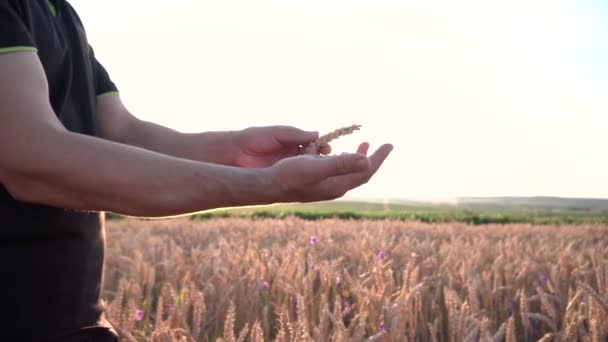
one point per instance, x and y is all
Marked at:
(380, 156)
(325, 149)
(343, 164)
(310, 178)
(363, 148)
(341, 184)
(355, 165)
(305, 175)
(287, 135)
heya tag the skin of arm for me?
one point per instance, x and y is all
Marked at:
(41, 162)
(251, 147)
(116, 123)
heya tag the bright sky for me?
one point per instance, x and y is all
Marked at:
(480, 98)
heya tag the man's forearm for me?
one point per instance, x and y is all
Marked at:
(81, 172)
(210, 147)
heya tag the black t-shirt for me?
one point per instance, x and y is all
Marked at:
(51, 259)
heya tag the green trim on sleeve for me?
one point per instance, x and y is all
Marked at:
(52, 8)
(108, 93)
(18, 49)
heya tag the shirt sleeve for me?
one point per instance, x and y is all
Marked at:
(14, 35)
(103, 82)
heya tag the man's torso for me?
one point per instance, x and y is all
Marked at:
(51, 259)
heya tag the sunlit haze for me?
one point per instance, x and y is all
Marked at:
(479, 98)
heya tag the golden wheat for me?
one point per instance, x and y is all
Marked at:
(263, 280)
(313, 147)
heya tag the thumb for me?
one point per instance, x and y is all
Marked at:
(287, 135)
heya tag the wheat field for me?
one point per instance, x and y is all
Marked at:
(337, 280)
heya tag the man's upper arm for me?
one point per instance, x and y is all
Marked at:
(112, 117)
(24, 93)
(26, 116)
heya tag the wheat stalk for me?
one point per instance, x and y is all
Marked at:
(511, 334)
(523, 308)
(313, 147)
(546, 304)
(116, 305)
(198, 310)
(257, 334)
(243, 334)
(500, 334)
(229, 323)
(282, 335)
(159, 312)
(596, 297)
(548, 337)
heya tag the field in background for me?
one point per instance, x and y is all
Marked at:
(539, 210)
(339, 280)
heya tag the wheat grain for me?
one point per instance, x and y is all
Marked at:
(229, 323)
(283, 331)
(198, 311)
(523, 308)
(116, 313)
(511, 336)
(313, 147)
(257, 335)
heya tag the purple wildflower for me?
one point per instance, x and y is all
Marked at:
(346, 310)
(139, 315)
(543, 279)
(513, 305)
(265, 286)
(382, 327)
(314, 240)
(381, 256)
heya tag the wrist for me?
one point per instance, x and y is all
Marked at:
(219, 147)
(268, 191)
(255, 186)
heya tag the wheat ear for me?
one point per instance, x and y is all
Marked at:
(313, 147)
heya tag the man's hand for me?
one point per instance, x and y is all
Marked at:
(257, 147)
(312, 178)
